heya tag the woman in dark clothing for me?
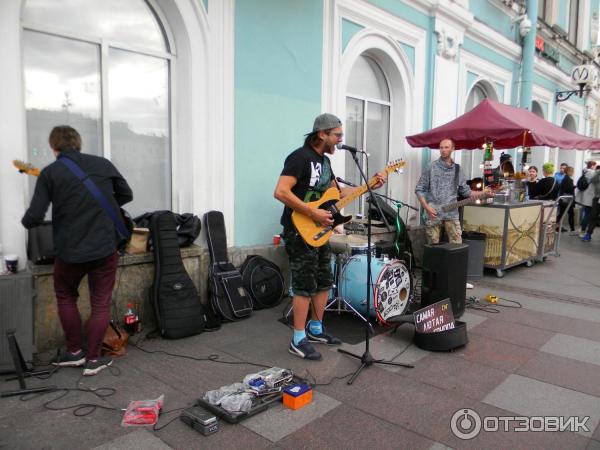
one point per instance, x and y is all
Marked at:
(567, 187)
(547, 188)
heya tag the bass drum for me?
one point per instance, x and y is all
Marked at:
(392, 287)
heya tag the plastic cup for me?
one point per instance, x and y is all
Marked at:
(12, 263)
(276, 239)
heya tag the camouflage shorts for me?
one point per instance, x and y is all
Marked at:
(310, 267)
(451, 226)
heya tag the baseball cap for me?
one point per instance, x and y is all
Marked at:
(325, 121)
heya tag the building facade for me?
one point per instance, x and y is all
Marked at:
(197, 102)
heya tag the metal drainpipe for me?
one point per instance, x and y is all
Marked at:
(528, 56)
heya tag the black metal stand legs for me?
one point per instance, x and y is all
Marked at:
(366, 358)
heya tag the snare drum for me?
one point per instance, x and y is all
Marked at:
(392, 287)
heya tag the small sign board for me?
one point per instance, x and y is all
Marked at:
(435, 318)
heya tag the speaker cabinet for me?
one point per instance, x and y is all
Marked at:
(445, 275)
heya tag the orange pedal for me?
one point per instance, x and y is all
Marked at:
(296, 396)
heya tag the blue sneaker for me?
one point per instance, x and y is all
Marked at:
(322, 338)
(303, 349)
(587, 237)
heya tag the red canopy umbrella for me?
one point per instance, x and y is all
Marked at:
(505, 126)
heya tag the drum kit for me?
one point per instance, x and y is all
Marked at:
(391, 281)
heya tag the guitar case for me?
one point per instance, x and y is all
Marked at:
(263, 281)
(228, 297)
(177, 307)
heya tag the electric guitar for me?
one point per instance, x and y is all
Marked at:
(457, 204)
(317, 235)
(29, 169)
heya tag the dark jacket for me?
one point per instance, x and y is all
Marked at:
(83, 231)
(567, 187)
(545, 189)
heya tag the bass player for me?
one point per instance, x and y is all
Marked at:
(305, 176)
(440, 183)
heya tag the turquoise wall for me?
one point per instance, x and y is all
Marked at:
(493, 17)
(402, 10)
(349, 29)
(563, 6)
(278, 54)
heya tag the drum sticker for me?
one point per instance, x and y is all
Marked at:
(392, 291)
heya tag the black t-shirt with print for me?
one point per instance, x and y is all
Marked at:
(313, 174)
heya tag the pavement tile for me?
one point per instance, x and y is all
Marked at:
(514, 333)
(427, 411)
(565, 372)
(457, 375)
(229, 436)
(575, 348)
(277, 422)
(493, 353)
(593, 445)
(530, 397)
(51, 430)
(351, 428)
(140, 438)
(472, 320)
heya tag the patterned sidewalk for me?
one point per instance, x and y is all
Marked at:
(539, 360)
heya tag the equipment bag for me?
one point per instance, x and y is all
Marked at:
(179, 312)
(228, 297)
(40, 244)
(263, 281)
(583, 183)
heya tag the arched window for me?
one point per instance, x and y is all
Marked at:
(470, 160)
(568, 156)
(367, 119)
(103, 68)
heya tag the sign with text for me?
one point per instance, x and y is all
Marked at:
(434, 318)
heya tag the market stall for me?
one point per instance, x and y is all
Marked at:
(517, 231)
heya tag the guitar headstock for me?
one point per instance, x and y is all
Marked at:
(26, 168)
(394, 166)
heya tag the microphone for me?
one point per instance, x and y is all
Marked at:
(341, 180)
(348, 148)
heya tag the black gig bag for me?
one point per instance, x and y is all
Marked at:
(179, 312)
(263, 281)
(228, 297)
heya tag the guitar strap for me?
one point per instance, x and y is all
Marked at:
(97, 194)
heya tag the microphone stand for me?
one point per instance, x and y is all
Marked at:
(366, 358)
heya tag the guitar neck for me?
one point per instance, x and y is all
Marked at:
(458, 204)
(355, 193)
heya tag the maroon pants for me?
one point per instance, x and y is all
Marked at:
(101, 280)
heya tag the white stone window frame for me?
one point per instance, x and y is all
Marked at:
(380, 39)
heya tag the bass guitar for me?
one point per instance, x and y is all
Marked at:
(29, 169)
(315, 234)
(457, 204)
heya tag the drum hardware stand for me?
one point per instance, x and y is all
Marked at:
(338, 299)
(22, 370)
(366, 358)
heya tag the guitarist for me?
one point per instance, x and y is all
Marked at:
(85, 241)
(440, 183)
(305, 176)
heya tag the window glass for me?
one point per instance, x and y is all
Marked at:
(368, 80)
(139, 126)
(367, 122)
(62, 87)
(130, 22)
(65, 84)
